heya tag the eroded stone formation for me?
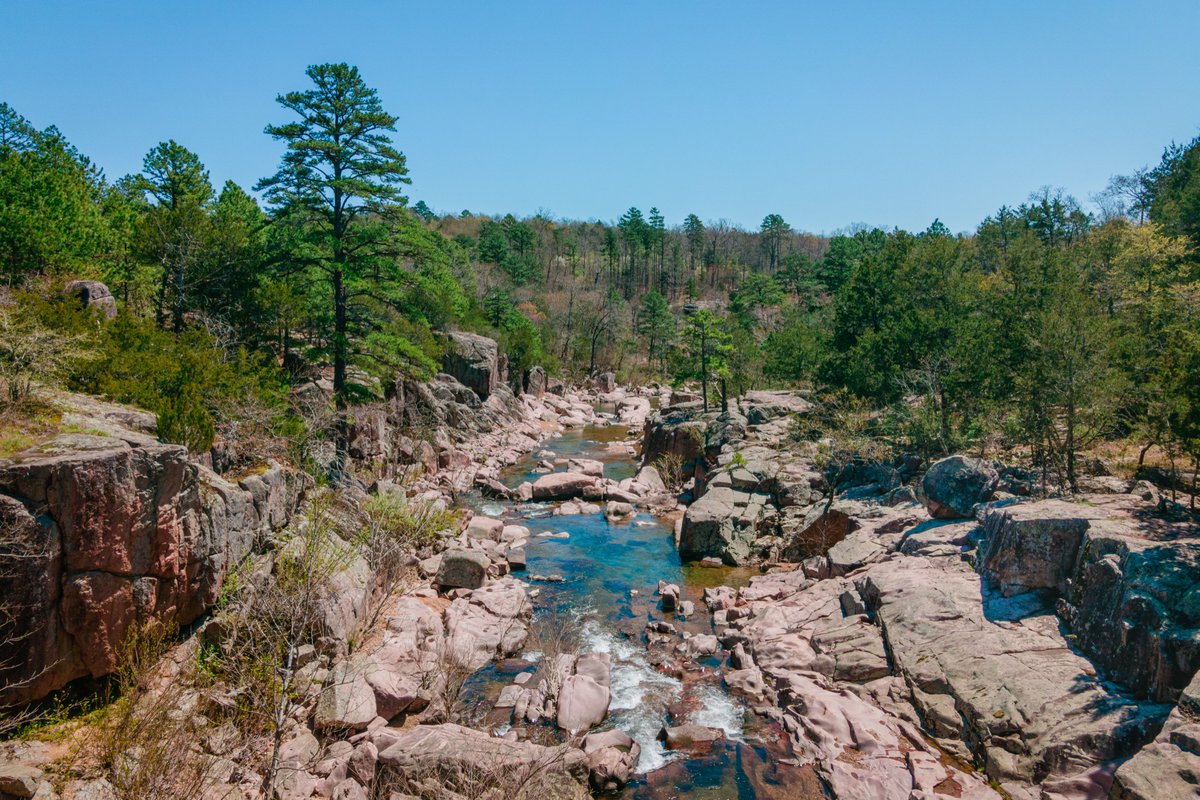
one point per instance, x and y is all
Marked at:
(1050, 643)
(110, 527)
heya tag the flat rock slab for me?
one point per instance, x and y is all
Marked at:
(1035, 706)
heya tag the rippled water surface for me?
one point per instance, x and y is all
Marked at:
(610, 573)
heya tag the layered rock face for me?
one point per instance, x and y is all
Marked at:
(742, 479)
(110, 528)
(1048, 693)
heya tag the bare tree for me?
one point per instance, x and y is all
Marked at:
(145, 745)
(274, 614)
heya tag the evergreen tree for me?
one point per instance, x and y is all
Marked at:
(339, 181)
(774, 233)
(708, 347)
(656, 325)
(176, 226)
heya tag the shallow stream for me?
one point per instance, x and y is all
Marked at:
(610, 573)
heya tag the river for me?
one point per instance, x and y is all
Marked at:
(610, 572)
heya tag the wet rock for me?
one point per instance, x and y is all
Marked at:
(612, 758)
(586, 466)
(689, 736)
(516, 559)
(701, 644)
(953, 486)
(616, 510)
(669, 594)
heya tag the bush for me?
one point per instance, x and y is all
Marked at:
(189, 381)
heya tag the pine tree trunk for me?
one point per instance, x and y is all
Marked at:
(342, 433)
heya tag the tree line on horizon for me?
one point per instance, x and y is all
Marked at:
(1046, 329)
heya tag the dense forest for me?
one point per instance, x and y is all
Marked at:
(1049, 330)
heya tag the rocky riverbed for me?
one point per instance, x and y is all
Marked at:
(589, 627)
(953, 641)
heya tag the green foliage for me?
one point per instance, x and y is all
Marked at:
(498, 304)
(707, 349)
(796, 350)
(50, 213)
(188, 381)
(656, 325)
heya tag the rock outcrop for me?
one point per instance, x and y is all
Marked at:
(1126, 585)
(954, 486)
(725, 522)
(1044, 643)
(464, 757)
(475, 361)
(93, 295)
(111, 528)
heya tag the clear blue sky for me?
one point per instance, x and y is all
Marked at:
(829, 113)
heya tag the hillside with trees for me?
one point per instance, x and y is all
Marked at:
(1047, 329)
(884, 512)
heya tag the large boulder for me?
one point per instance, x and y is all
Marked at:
(954, 486)
(584, 695)
(535, 383)
(677, 433)
(562, 485)
(612, 758)
(471, 759)
(474, 361)
(347, 701)
(764, 406)
(462, 569)
(813, 534)
(93, 295)
(724, 523)
(633, 411)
